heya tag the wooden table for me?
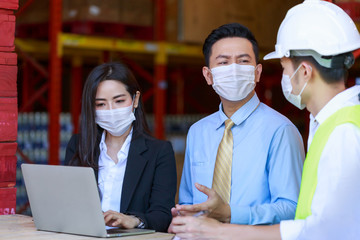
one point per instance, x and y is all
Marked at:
(23, 227)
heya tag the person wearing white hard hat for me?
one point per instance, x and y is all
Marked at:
(314, 44)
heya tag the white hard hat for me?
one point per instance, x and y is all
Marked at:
(316, 25)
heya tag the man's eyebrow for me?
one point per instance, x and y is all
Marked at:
(243, 55)
(237, 56)
(222, 56)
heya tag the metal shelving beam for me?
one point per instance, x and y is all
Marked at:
(134, 46)
(55, 80)
(82, 43)
(160, 81)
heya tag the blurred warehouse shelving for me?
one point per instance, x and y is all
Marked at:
(42, 61)
(77, 47)
(56, 56)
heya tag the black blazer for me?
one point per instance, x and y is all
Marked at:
(149, 185)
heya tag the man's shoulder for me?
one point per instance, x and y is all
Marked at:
(272, 116)
(206, 122)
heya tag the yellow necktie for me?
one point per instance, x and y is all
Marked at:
(222, 171)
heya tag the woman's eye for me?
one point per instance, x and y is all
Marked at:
(119, 101)
(99, 104)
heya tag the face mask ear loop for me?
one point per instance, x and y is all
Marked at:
(303, 89)
(133, 102)
(295, 72)
(212, 77)
(305, 83)
(294, 75)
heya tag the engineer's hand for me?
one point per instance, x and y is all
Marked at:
(214, 205)
(186, 227)
(116, 219)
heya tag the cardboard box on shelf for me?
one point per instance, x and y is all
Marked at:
(268, 17)
(186, 20)
(198, 18)
(171, 26)
(134, 12)
(114, 18)
(36, 12)
(91, 10)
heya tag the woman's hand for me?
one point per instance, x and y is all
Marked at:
(116, 219)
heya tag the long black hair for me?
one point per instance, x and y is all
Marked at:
(89, 131)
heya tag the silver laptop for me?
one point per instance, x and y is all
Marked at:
(66, 199)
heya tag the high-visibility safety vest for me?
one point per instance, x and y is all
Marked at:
(309, 177)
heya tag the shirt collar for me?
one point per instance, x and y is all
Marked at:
(241, 114)
(125, 146)
(336, 103)
(312, 118)
(102, 142)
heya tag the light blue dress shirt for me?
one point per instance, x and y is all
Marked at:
(267, 163)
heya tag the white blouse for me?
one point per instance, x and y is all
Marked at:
(111, 175)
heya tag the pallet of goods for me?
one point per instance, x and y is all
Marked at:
(8, 107)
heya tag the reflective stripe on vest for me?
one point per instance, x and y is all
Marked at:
(309, 177)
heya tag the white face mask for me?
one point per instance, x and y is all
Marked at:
(287, 89)
(233, 82)
(115, 121)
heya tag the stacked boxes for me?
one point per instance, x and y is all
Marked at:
(33, 141)
(134, 12)
(8, 107)
(114, 18)
(262, 17)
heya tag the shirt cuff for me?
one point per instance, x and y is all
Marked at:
(240, 215)
(291, 229)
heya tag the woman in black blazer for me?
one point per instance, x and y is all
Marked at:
(136, 173)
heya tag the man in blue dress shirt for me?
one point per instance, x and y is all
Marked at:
(268, 151)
